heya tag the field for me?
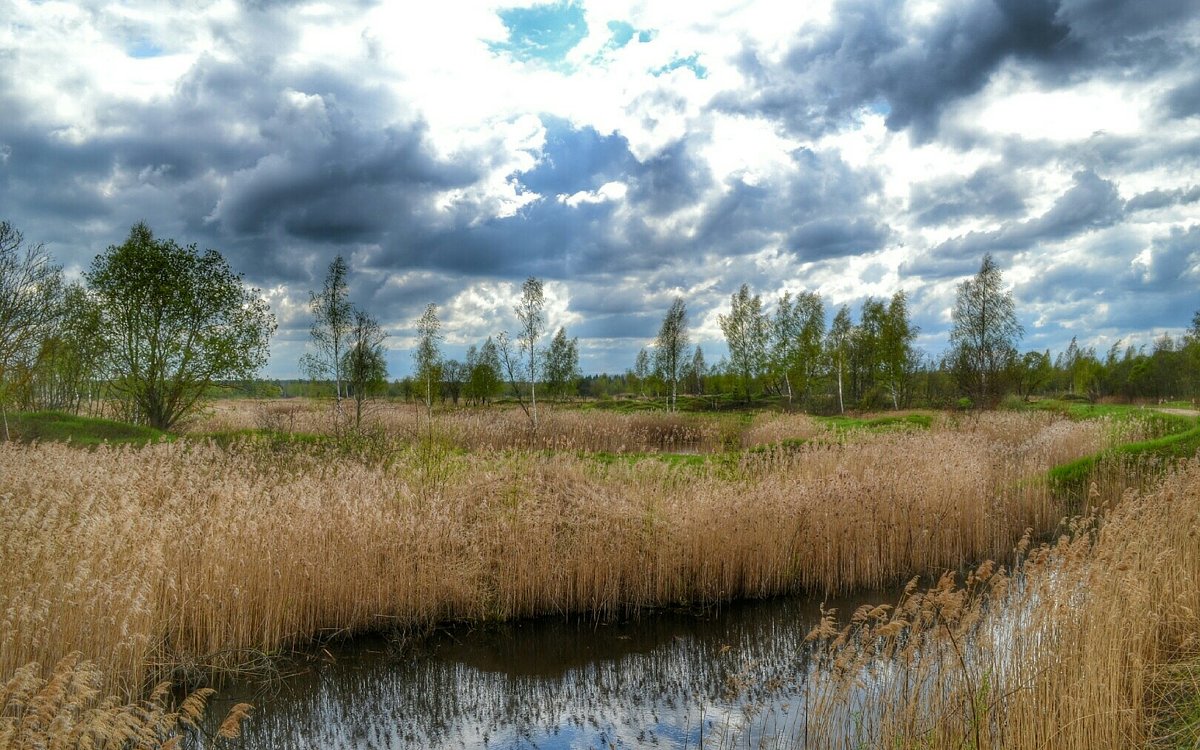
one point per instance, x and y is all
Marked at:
(269, 525)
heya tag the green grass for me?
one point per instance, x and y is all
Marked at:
(1071, 479)
(55, 426)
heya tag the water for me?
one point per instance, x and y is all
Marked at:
(666, 680)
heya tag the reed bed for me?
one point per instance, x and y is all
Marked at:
(180, 558)
(497, 428)
(776, 428)
(1094, 644)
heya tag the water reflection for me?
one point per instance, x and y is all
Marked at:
(666, 680)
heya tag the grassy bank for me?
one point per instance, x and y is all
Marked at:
(28, 427)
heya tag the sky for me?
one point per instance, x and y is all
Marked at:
(625, 152)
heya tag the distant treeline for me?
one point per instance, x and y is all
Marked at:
(1169, 370)
(155, 328)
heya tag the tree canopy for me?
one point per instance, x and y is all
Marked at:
(176, 321)
(983, 339)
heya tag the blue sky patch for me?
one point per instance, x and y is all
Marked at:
(622, 34)
(691, 62)
(542, 33)
(143, 48)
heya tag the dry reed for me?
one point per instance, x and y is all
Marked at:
(1095, 644)
(65, 710)
(189, 555)
(486, 429)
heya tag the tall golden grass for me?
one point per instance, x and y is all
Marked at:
(1094, 644)
(156, 561)
(488, 429)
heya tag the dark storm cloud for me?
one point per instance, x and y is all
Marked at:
(1173, 264)
(869, 57)
(821, 239)
(1091, 203)
(818, 213)
(990, 191)
(872, 55)
(1098, 20)
(574, 160)
(620, 326)
(278, 169)
(669, 180)
(1184, 100)
(1162, 199)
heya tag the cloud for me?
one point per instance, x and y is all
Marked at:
(989, 191)
(1184, 100)
(1090, 203)
(1157, 198)
(622, 152)
(875, 53)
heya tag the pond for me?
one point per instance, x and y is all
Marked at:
(667, 679)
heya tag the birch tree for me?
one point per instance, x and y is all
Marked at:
(837, 343)
(746, 331)
(983, 339)
(670, 350)
(364, 365)
(333, 317)
(30, 287)
(428, 354)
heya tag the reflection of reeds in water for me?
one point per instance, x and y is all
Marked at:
(176, 558)
(600, 684)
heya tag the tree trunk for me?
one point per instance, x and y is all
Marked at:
(841, 404)
(533, 402)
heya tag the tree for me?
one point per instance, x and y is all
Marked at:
(796, 332)
(30, 287)
(746, 331)
(428, 355)
(562, 363)
(670, 348)
(697, 371)
(364, 364)
(483, 372)
(865, 353)
(1035, 371)
(70, 359)
(983, 339)
(454, 377)
(898, 360)
(641, 369)
(175, 321)
(837, 343)
(333, 317)
(533, 325)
